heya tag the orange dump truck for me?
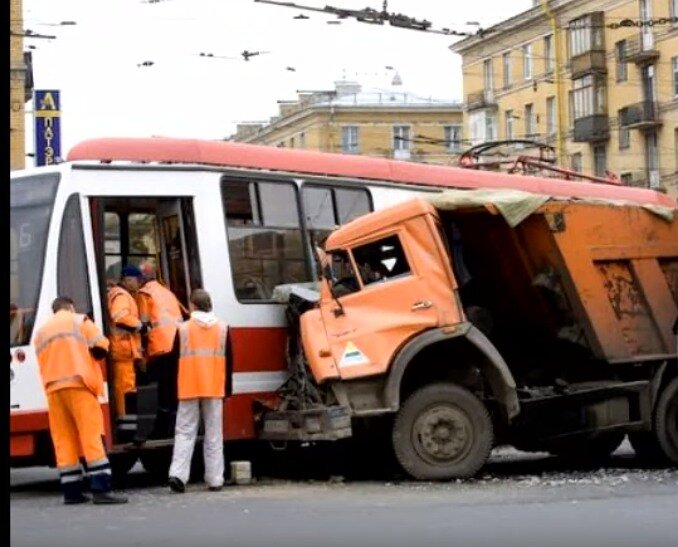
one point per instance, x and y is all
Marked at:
(483, 318)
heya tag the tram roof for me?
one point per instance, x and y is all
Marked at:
(167, 150)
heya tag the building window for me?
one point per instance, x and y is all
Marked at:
(620, 59)
(626, 178)
(548, 53)
(453, 138)
(488, 77)
(506, 64)
(401, 137)
(527, 62)
(586, 34)
(508, 125)
(551, 123)
(674, 63)
(302, 140)
(529, 121)
(599, 160)
(624, 131)
(349, 139)
(292, 142)
(575, 162)
(588, 96)
(674, 12)
(490, 127)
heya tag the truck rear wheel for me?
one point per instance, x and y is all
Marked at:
(666, 421)
(442, 432)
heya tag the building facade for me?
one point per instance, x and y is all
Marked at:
(17, 87)
(596, 79)
(386, 123)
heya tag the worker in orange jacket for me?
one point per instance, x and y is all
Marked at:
(201, 390)
(68, 347)
(160, 308)
(125, 335)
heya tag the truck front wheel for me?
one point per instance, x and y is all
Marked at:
(666, 421)
(442, 432)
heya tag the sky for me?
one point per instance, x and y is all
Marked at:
(105, 93)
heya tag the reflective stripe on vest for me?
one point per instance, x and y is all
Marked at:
(184, 350)
(75, 333)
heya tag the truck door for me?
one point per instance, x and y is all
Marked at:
(381, 302)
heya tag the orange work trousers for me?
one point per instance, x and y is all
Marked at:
(124, 380)
(76, 424)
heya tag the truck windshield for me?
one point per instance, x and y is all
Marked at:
(31, 202)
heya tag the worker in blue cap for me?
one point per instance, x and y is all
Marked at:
(125, 336)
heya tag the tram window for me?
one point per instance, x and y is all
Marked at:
(72, 275)
(130, 238)
(326, 208)
(351, 204)
(264, 237)
(112, 247)
(31, 202)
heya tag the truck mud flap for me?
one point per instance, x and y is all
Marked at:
(322, 424)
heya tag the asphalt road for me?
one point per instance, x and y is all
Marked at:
(519, 500)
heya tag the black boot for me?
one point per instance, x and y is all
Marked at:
(73, 493)
(101, 490)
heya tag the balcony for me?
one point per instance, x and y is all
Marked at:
(642, 115)
(481, 99)
(641, 50)
(592, 61)
(593, 128)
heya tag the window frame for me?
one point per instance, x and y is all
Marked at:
(506, 63)
(452, 145)
(674, 67)
(403, 142)
(549, 61)
(551, 116)
(621, 67)
(307, 258)
(509, 118)
(530, 129)
(528, 62)
(347, 144)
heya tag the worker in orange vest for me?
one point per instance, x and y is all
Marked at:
(201, 390)
(125, 335)
(68, 347)
(160, 308)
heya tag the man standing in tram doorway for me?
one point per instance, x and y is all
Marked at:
(125, 335)
(201, 387)
(159, 307)
(69, 346)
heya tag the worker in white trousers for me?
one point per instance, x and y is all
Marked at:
(201, 387)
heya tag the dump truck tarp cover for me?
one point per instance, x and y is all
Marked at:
(516, 205)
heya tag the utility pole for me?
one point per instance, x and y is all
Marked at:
(557, 76)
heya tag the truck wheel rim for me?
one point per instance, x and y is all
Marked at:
(442, 434)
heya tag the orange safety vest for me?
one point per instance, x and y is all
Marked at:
(159, 307)
(202, 360)
(62, 346)
(123, 309)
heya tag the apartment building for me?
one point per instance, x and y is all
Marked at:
(598, 80)
(347, 119)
